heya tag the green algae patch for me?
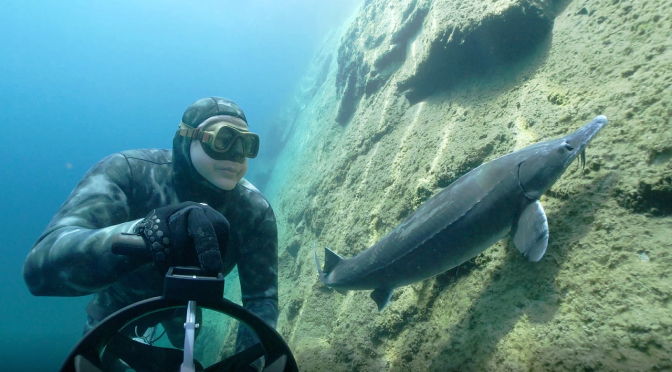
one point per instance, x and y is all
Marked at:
(557, 98)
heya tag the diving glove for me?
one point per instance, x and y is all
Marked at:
(186, 234)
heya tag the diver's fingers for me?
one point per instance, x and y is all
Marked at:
(205, 241)
(221, 226)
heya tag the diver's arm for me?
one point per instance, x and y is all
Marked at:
(73, 256)
(258, 272)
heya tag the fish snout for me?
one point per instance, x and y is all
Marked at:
(579, 140)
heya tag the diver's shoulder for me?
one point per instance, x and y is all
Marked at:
(251, 193)
(156, 156)
(249, 186)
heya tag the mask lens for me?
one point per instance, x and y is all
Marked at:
(251, 145)
(223, 138)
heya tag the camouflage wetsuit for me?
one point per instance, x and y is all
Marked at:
(73, 256)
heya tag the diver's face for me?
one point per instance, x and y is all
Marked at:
(224, 174)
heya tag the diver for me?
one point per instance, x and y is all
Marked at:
(191, 206)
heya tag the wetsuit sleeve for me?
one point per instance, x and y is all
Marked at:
(258, 272)
(73, 256)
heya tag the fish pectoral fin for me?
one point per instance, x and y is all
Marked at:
(382, 297)
(341, 291)
(331, 260)
(530, 232)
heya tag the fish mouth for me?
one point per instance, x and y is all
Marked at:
(577, 142)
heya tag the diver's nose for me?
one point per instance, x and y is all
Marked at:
(236, 150)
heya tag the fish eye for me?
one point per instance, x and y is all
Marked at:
(568, 147)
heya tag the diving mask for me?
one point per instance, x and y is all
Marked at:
(220, 136)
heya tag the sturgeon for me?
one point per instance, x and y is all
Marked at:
(464, 219)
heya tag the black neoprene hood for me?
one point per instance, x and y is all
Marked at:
(206, 108)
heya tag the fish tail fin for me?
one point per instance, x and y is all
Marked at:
(317, 262)
(382, 297)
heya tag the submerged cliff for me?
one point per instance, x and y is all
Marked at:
(413, 95)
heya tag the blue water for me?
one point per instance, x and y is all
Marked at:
(80, 80)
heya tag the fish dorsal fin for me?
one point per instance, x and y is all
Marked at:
(382, 297)
(530, 232)
(331, 260)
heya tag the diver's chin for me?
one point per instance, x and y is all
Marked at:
(223, 181)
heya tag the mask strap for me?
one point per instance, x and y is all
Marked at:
(186, 131)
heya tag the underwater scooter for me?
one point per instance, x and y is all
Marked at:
(106, 347)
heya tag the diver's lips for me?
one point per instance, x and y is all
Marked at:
(227, 169)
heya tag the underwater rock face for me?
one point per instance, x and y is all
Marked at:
(468, 40)
(369, 55)
(402, 110)
(501, 37)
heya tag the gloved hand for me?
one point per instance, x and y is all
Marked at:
(186, 234)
